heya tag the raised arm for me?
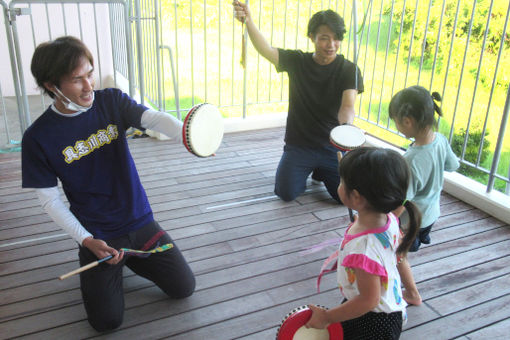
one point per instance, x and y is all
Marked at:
(243, 14)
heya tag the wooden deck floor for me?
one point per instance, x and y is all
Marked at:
(244, 246)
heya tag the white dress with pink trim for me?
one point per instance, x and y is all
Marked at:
(374, 252)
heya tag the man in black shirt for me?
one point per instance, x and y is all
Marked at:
(322, 94)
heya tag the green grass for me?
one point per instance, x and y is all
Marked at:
(215, 75)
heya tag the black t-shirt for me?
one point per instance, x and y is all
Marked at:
(315, 95)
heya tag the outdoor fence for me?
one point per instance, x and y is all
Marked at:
(174, 54)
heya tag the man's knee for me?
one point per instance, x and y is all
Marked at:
(180, 289)
(106, 322)
(286, 196)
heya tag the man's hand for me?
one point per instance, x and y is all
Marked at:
(241, 11)
(101, 249)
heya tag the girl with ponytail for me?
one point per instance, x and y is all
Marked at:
(373, 181)
(413, 110)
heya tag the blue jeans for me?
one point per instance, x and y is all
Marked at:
(298, 162)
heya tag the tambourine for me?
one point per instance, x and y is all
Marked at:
(347, 137)
(293, 327)
(202, 130)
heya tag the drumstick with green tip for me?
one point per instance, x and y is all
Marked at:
(84, 268)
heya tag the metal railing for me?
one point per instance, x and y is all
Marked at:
(454, 47)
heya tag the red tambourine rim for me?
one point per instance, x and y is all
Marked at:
(346, 148)
(341, 147)
(298, 319)
(184, 127)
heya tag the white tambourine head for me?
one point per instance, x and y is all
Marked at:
(347, 137)
(206, 131)
(304, 333)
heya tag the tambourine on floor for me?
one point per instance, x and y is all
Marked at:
(293, 327)
(202, 130)
(347, 137)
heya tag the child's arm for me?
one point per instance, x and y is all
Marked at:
(369, 286)
(451, 161)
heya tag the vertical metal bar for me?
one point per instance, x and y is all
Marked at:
(139, 48)
(309, 16)
(158, 42)
(79, 21)
(258, 54)
(111, 14)
(176, 55)
(350, 32)
(129, 49)
(355, 42)
(245, 72)
(34, 44)
(205, 51)
(494, 79)
(375, 63)
(437, 46)
(424, 43)
(462, 74)
(369, 9)
(271, 42)
(64, 18)
(388, 39)
(48, 21)
(24, 114)
(219, 53)
(411, 43)
(283, 46)
(398, 48)
(6, 124)
(176, 86)
(499, 143)
(232, 63)
(480, 61)
(16, 80)
(448, 64)
(97, 47)
(297, 26)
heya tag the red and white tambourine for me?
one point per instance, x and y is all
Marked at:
(347, 137)
(202, 130)
(293, 327)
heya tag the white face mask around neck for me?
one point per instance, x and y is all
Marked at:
(69, 104)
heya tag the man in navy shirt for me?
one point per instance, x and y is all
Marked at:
(322, 93)
(80, 140)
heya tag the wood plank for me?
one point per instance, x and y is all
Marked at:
(243, 244)
(459, 324)
(498, 330)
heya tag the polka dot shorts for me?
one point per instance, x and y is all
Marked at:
(374, 326)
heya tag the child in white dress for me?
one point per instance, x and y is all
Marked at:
(374, 183)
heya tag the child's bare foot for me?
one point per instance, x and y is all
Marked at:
(412, 298)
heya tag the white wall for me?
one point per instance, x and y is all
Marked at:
(48, 23)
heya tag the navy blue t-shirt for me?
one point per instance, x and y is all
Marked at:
(315, 95)
(89, 154)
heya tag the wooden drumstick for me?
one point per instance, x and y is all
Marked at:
(84, 268)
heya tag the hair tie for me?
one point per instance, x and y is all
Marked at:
(404, 203)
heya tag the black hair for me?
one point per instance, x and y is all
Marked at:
(55, 59)
(416, 102)
(329, 18)
(381, 176)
